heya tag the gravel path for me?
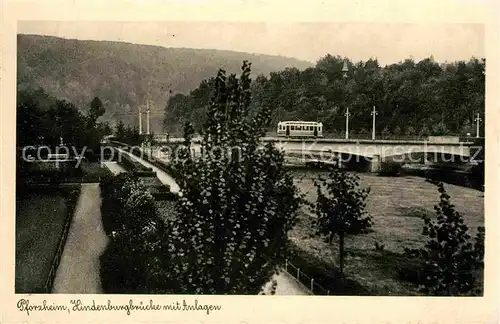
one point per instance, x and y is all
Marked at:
(78, 272)
(287, 286)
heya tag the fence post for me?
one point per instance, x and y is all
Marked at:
(298, 273)
(328, 292)
(312, 284)
(286, 264)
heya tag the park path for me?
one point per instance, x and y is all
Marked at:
(78, 272)
(286, 285)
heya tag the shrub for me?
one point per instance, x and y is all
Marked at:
(132, 262)
(450, 263)
(164, 193)
(391, 169)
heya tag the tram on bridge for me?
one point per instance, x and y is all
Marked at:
(300, 129)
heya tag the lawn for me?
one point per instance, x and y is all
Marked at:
(40, 219)
(395, 204)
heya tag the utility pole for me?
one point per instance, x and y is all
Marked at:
(478, 120)
(374, 113)
(147, 114)
(140, 121)
(345, 70)
(347, 114)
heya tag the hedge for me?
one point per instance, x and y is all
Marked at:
(391, 169)
(136, 167)
(134, 257)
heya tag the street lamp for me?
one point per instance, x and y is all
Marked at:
(345, 70)
(478, 120)
(373, 113)
(347, 114)
(140, 120)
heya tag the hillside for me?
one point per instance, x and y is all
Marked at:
(123, 74)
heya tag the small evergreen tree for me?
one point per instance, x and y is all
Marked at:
(340, 208)
(452, 261)
(120, 131)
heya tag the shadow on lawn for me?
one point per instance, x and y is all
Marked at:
(417, 212)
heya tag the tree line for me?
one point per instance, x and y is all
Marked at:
(412, 98)
(45, 120)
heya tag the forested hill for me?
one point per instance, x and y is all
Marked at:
(122, 74)
(411, 98)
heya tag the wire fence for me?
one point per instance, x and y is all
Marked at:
(49, 283)
(304, 279)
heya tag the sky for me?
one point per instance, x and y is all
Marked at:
(388, 42)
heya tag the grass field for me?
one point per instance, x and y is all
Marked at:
(40, 220)
(395, 204)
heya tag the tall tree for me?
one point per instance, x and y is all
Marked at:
(238, 201)
(96, 110)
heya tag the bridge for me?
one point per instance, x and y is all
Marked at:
(372, 151)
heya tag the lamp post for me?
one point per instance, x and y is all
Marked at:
(147, 117)
(347, 123)
(478, 120)
(140, 121)
(345, 70)
(374, 113)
